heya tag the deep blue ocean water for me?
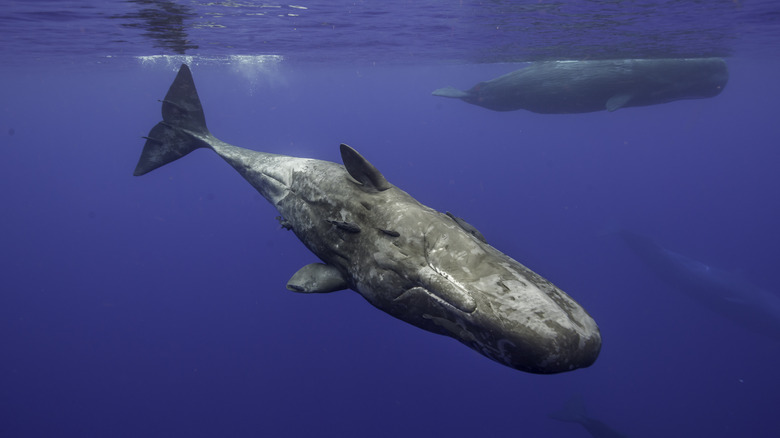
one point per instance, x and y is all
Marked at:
(155, 306)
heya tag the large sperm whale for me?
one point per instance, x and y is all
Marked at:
(565, 87)
(430, 269)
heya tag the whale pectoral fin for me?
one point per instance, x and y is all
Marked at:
(363, 171)
(450, 92)
(317, 278)
(618, 101)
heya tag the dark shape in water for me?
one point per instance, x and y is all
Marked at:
(574, 412)
(565, 87)
(424, 267)
(724, 292)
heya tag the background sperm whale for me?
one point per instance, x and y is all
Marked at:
(563, 87)
(728, 294)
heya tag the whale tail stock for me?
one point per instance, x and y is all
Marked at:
(182, 129)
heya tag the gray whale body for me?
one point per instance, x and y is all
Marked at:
(566, 87)
(427, 268)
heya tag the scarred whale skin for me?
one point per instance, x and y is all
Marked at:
(565, 87)
(427, 268)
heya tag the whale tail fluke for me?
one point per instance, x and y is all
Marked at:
(182, 126)
(450, 92)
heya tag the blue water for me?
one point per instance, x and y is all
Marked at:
(155, 306)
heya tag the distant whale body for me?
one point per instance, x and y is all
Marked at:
(566, 87)
(575, 412)
(726, 293)
(430, 269)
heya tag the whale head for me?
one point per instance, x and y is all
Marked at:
(440, 274)
(437, 272)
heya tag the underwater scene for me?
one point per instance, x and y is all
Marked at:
(389, 219)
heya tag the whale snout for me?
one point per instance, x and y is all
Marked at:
(569, 350)
(533, 326)
(553, 349)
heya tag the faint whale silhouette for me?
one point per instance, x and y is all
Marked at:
(565, 87)
(574, 412)
(724, 292)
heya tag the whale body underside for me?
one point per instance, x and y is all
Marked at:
(430, 269)
(724, 292)
(565, 87)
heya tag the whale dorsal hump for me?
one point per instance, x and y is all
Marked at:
(363, 171)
